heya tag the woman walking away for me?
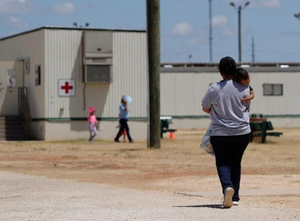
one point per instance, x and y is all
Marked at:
(124, 116)
(230, 128)
(92, 123)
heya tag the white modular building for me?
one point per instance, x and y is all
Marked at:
(276, 88)
(63, 71)
(67, 70)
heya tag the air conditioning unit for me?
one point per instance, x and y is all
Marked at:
(97, 56)
(98, 74)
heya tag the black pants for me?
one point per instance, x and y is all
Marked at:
(229, 152)
(123, 125)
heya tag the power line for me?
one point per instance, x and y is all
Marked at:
(210, 32)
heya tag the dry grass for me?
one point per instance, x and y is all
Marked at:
(179, 165)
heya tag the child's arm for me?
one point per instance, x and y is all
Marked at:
(206, 110)
(246, 99)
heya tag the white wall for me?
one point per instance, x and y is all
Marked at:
(64, 61)
(182, 92)
(30, 45)
(59, 53)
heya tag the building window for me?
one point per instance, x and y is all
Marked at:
(37, 75)
(273, 89)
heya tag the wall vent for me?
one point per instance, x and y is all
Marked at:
(98, 74)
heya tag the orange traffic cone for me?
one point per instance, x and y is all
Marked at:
(171, 135)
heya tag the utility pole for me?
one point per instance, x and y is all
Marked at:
(153, 34)
(240, 34)
(253, 53)
(210, 32)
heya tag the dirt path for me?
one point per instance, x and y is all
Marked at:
(179, 166)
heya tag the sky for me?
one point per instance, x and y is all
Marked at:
(269, 30)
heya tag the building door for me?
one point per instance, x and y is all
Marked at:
(11, 77)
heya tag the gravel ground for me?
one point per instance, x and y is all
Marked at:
(76, 180)
(27, 197)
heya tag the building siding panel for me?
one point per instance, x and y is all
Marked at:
(63, 61)
(30, 45)
(182, 92)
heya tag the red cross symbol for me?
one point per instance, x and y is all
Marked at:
(67, 87)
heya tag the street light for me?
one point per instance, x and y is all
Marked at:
(297, 15)
(239, 21)
(77, 26)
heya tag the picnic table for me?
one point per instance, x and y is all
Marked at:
(261, 127)
(165, 121)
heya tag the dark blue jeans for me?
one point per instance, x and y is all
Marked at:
(229, 152)
(123, 125)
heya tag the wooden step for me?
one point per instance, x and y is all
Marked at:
(11, 128)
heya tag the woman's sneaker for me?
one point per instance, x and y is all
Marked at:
(235, 203)
(228, 194)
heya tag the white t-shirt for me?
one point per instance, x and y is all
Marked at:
(228, 115)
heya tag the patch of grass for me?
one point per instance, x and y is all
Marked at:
(74, 148)
(70, 157)
(40, 149)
